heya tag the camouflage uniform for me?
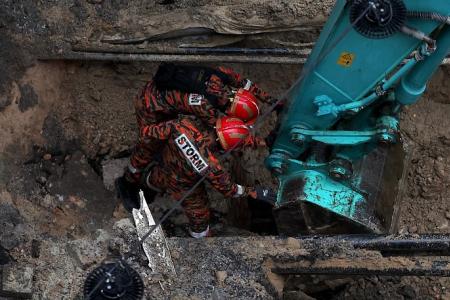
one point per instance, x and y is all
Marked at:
(153, 107)
(188, 155)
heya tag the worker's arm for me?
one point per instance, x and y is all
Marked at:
(237, 80)
(221, 180)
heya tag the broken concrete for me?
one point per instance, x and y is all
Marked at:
(88, 252)
(17, 279)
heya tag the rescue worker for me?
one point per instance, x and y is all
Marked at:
(190, 90)
(189, 153)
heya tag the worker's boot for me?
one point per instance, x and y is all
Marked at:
(198, 235)
(128, 192)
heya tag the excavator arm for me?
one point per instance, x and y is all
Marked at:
(338, 146)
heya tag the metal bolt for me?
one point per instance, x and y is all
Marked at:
(298, 139)
(336, 175)
(277, 171)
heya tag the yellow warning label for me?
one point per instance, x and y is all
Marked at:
(346, 59)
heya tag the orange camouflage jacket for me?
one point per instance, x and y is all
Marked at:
(188, 155)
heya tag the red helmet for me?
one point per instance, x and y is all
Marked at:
(244, 107)
(231, 131)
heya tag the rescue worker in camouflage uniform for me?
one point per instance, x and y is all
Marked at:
(189, 153)
(200, 91)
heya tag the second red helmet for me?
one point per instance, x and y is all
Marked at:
(244, 106)
(231, 132)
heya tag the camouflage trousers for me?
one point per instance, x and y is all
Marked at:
(195, 206)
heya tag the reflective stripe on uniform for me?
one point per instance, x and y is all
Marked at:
(191, 153)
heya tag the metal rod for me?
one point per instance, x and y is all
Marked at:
(436, 244)
(361, 271)
(177, 58)
(424, 245)
(198, 50)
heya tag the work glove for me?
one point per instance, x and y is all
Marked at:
(263, 194)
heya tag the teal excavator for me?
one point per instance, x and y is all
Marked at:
(337, 153)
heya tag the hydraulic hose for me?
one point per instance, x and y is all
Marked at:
(429, 16)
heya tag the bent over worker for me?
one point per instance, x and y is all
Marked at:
(190, 90)
(189, 154)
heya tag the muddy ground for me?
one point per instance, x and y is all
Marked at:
(61, 120)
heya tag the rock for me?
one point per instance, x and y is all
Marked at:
(4, 257)
(97, 139)
(49, 201)
(35, 248)
(41, 180)
(447, 215)
(117, 246)
(296, 295)
(444, 225)
(96, 95)
(28, 97)
(10, 236)
(47, 156)
(439, 168)
(103, 149)
(124, 226)
(77, 201)
(17, 279)
(4, 102)
(293, 243)
(102, 236)
(87, 252)
(113, 169)
(220, 277)
(413, 229)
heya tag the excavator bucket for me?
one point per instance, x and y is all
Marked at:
(372, 205)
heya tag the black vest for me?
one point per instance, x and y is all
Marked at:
(188, 79)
